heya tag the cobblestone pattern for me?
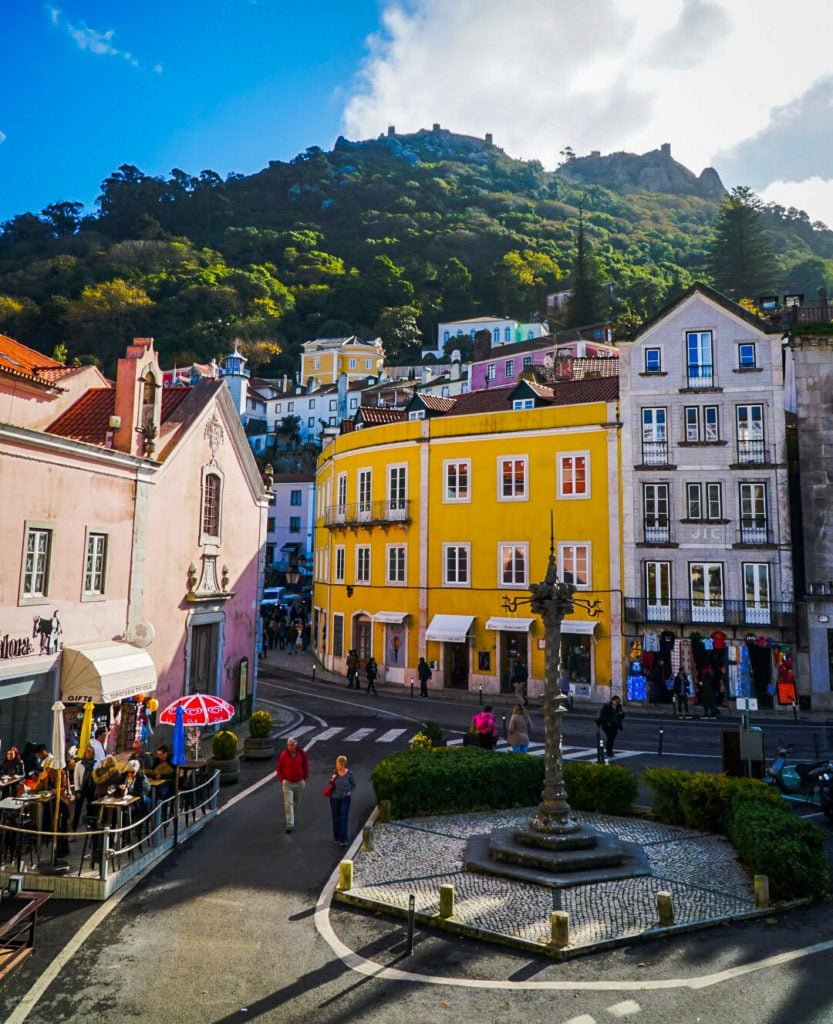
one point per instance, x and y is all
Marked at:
(419, 855)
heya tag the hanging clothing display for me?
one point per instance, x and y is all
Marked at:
(744, 672)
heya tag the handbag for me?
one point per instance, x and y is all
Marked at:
(328, 789)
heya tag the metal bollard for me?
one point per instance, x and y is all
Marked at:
(659, 743)
(761, 883)
(384, 811)
(505, 732)
(345, 875)
(446, 901)
(313, 673)
(411, 917)
(665, 909)
(412, 689)
(367, 839)
(600, 748)
(675, 706)
(479, 694)
(559, 929)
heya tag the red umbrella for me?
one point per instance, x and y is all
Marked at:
(199, 709)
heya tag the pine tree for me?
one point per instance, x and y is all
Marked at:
(589, 302)
(742, 259)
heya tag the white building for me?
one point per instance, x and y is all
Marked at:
(503, 330)
(291, 522)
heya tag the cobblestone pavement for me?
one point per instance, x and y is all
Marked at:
(417, 855)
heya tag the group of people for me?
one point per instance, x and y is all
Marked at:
(291, 635)
(354, 671)
(292, 769)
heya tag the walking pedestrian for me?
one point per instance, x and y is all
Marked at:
(424, 673)
(610, 721)
(520, 677)
(681, 693)
(299, 641)
(371, 670)
(292, 770)
(281, 634)
(352, 670)
(520, 728)
(343, 784)
(708, 694)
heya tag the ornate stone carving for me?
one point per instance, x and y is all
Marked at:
(215, 436)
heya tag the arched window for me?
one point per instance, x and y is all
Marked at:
(496, 335)
(146, 413)
(507, 334)
(212, 492)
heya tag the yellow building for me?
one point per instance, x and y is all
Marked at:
(325, 359)
(427, 519)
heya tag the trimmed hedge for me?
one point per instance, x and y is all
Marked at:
(767, 839)
(454, 779)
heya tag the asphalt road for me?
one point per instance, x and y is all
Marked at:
(225, 929)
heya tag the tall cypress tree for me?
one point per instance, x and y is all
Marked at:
(589, 302)
(742, 260)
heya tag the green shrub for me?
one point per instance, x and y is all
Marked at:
(444, 780)
(420, 742)
(666, 784)
(768, 840)
(224, 745)
(260, 725)
(700, 801)
(433, 731)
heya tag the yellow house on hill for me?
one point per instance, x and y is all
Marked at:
(326, 359)
(427, 519)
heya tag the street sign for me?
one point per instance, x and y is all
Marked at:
(747, 703)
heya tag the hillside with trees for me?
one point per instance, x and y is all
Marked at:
(385, 237)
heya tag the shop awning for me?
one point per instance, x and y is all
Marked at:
(509, 625)
(392, 618)
(585, 627)
(450, 629)
(105, 671)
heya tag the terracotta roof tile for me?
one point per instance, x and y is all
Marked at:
(437, 404)
(23, 362)
(569, 392)
(89, 418)
(371, 415)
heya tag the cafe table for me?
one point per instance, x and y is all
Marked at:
(114, 808)
(8, 783)
(15, 805)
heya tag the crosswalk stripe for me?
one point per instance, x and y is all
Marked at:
(301, 730)
(391, 735)
(359, 734)
(329, 733)
(580, 755)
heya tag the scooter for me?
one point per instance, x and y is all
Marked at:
(826, 791)
(801, 780)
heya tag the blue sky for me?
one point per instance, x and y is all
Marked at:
(220, 84)
(231, 84)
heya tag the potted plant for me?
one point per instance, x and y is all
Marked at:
(224, 756)
(434, 733)
(258, 744)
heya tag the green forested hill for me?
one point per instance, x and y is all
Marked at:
(382, 237)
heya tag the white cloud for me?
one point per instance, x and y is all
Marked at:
(91, 39)
(612, 74)
(815, 195)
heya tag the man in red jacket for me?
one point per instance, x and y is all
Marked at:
(293, 771)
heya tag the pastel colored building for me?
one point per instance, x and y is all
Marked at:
(426, 518)
(134, 538)
(502, 330)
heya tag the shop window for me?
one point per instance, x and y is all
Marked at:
(338, 636)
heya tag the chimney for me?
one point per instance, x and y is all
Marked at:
(391, 131)
(489, 141)
(456, 367)
(285, 383)
(138, 399)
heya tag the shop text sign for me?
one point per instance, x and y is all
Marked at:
(15, 647)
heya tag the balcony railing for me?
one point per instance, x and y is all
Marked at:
(700, 376)
(368, 513)
(754, 531)
(657, 531)
(654, 453)
(755, 450)
(685, 611)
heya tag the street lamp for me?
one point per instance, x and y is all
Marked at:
(553, 599)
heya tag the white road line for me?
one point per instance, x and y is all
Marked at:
(328, 734)
(453, 743)
(583, 1018)
(624, 1009)
(371, 969)
(359, 734)
(392, 734)
(301, 730)
(578, 755)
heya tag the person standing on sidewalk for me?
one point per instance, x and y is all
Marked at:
(610, 722)
(371, 670)
(520, 678)
(352, 670)
(343, 784)
(292, 770)
(424, 673)
(681, 693)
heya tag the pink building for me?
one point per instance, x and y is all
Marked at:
(135, 522)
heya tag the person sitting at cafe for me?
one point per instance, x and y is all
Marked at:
(135, 784)
(48, 781)
(99, 741)
(162, 772)
(12, 764)
(138, 753)
(83, 784)
(105, 777)
(34, 756)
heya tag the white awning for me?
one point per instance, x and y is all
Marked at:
(450, 629)
(509, 625)
(105, 671)
(582, 626)
(393, 618)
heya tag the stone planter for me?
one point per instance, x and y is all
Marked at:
(257, 748)
(229, 770)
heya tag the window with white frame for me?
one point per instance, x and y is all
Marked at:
(527, 361)
(657, 589)
(711, 423)
(445, 391)
(704, 501)
(396, 564)
(333, 421)
(37, 562)
(397, 487)
(512, 564)
(354, 402)
(574, 562)
(523, 403)
(653, 360)
(362, 563)
(341, 493)
(756, 593)
(212, 496)
(311, 422)
(512, 474)
(339, 567)
(507, 333)
(333, 404)
(705, 587)
(296, 498)
(691, 419)
(365, 490)
(316, 363)
(352, 364)
(496, 336)
(747, 359)
(456, 476)
(509, 369)
(456, 565)
(95, 564)
(574, 475)
(416, 414)
(368, 364)
(290, 407)
(491, 370)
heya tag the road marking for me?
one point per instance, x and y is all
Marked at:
(393, 734)
(370, 969)
(301, 730)
(300, 714)
(583, 1018)
(328, 734)
(359, 735)
(625, 1009)
(579, 755)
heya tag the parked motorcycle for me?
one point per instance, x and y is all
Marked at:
(803, 781)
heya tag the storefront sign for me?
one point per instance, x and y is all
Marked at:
(15, 647)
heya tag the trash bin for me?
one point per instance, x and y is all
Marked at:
(752, 751)
(730, 757)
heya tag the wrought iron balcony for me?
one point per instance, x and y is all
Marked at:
(654, 453)
(368, 513)
(657, 530)
(753, 451)
(685, 612)
(700, 376)
(755, 530)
